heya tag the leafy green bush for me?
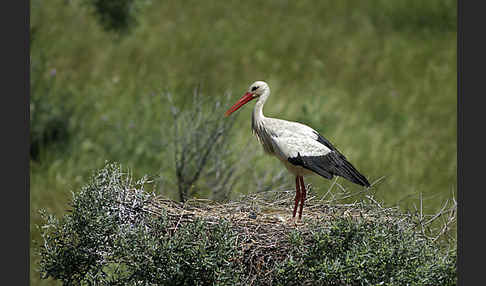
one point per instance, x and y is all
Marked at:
(117, 234)
(367, 253)
(109, 237)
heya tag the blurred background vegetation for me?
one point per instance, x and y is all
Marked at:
(377, 78)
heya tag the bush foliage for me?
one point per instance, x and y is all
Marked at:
(113, 236)
(368, 253)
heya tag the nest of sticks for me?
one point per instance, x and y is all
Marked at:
(263, 221)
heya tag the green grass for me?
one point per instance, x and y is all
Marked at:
(378, 79)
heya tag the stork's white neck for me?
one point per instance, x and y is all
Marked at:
(257, 116)
(258, 123)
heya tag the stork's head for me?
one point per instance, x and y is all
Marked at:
(256, 89)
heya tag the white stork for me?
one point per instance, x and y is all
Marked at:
(300, 148)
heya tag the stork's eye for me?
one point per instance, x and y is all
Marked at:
(254, 88)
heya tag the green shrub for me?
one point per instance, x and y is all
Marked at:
(116, 233)
(109, 237)
(367, 253)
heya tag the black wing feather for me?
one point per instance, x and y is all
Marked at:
(333, 163)
(311, 164)
(325, 142)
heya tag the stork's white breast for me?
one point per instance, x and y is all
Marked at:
(291, 138)
(290, 147)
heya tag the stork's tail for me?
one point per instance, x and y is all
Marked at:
(348, 171)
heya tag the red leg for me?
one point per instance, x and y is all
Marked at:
(303, 195)
(297, 194)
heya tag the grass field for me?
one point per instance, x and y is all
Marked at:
(377, 78)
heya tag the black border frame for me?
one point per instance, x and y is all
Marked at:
(470, 83)
(15, 115)
(460, 184)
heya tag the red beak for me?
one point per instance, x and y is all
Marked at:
(244, 99)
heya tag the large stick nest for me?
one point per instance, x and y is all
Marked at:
(263, 221)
